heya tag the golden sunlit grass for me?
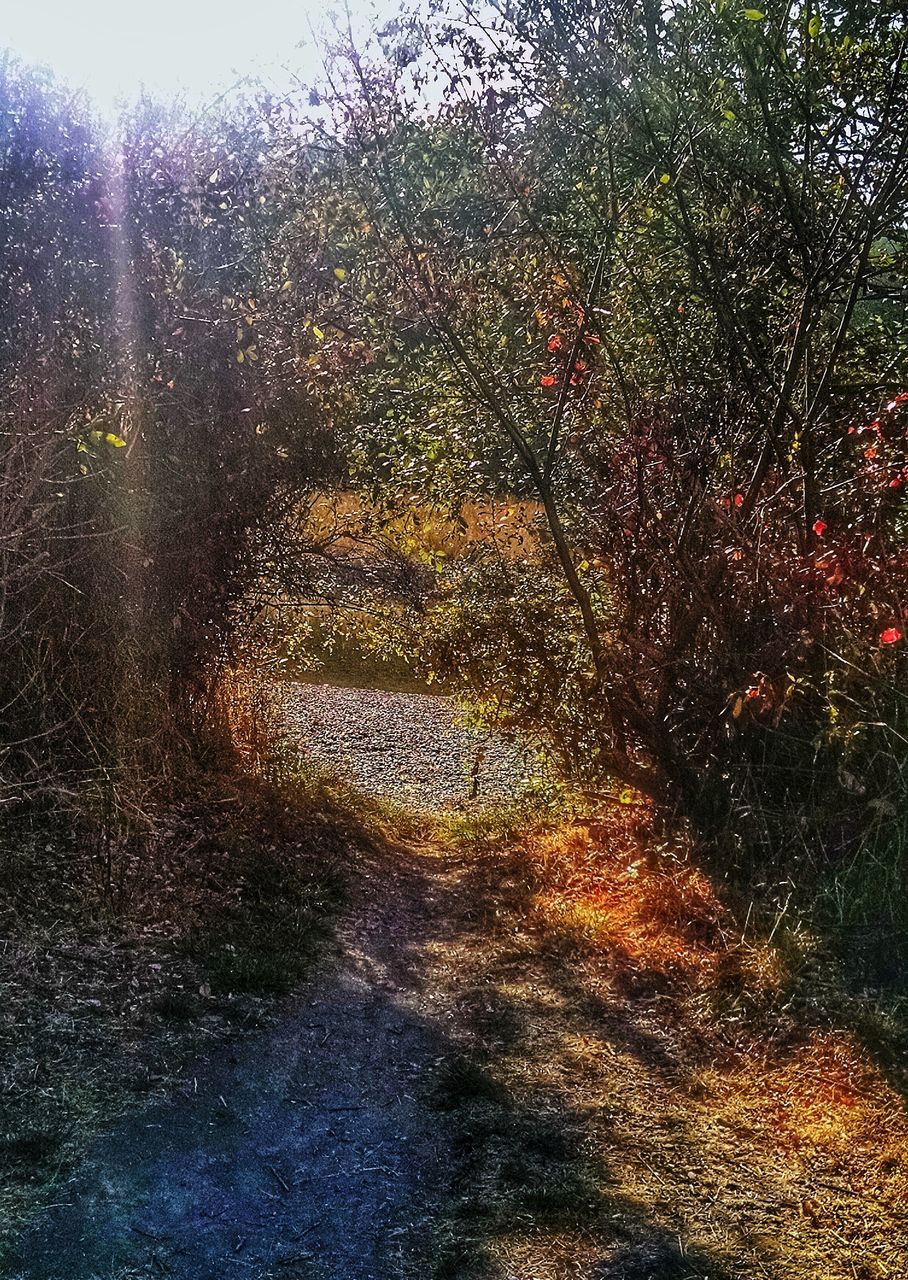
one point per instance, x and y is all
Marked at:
(419, 529)
(364, 637)
(719, 1115)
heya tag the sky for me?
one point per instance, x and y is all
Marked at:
(195, 48)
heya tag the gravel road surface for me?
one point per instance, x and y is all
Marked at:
(409, 747)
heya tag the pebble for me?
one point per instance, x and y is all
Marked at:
(413, 748)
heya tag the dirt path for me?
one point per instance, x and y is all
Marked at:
(531, 1059)
(309, 1151)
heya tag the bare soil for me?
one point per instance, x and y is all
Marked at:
(306, 1151)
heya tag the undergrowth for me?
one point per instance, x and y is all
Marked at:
(661, 1078)
(120, 964)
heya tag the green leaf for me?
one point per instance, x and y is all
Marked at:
(666, 177)
(813, 26)
(752, 15)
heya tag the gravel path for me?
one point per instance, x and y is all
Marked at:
(409, 747)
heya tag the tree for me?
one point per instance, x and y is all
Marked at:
(659, 256)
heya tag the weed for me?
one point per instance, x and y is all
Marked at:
(463, 1080)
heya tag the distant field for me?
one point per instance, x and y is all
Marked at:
(417, 528)
(367, 551)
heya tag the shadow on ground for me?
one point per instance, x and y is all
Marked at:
(461, 1097)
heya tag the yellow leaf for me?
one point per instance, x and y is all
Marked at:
(117, 441)
(319, 333)
(288, 284)
(340, 273)
(666, 178)
(240, 357)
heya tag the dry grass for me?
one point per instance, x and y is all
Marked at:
(416, 529)
(679, 1100)
(111, 984)
(355, 627)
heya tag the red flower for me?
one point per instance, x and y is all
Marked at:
(739, 499)
(547, 380)
(554, 343)
(890, 636)
(819, 527)
(896, 483)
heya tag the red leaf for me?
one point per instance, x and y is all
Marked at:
(819, 527)
(739, 499)
(554, 343)
(890, 636)
(547, 380)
